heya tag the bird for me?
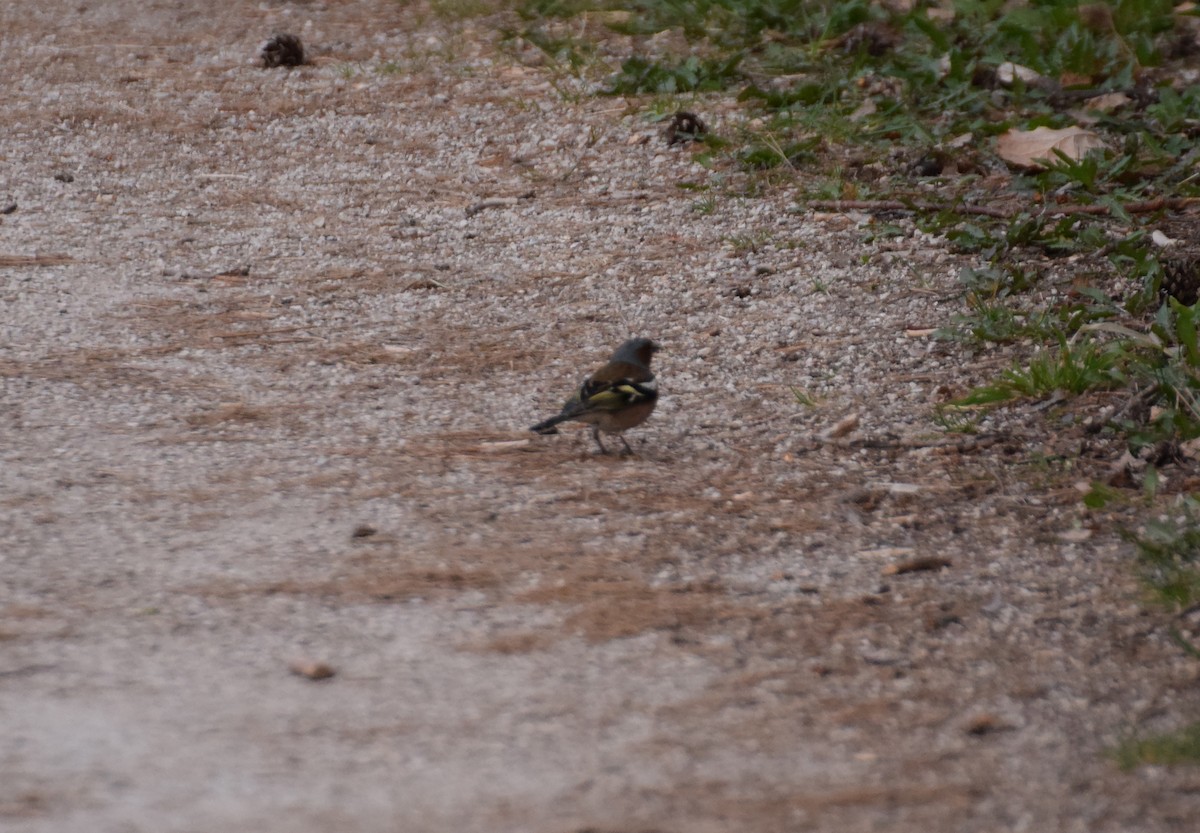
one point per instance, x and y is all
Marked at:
(619, 396)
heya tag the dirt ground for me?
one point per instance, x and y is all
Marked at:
(267, 361)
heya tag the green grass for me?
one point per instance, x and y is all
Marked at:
(804, 69)
(1179, 747)
(932, 77)
(1168, 550)
(803, 397)
(828, 83)
(1161, 361)
(1068, 369)
(825, 90)
(461, 9)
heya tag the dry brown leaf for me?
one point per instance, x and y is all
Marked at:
(867, 108)
(843, 427)
(1107, 102)
(1009, 73)
(1074, 79)
(916, 565)
(1033, 148)
(1190, 449)
(984, 724)
(311, 669)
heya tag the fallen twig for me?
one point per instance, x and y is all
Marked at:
(1142, 207)
(917, 565)
(34, 260)
(964, 444)
(239, 335)
(497, 202)
(899, 205)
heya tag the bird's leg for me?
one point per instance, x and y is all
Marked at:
(621, 437)
(596, 437)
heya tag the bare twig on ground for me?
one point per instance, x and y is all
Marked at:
(497, 202)
(1142, 207)
(34, 260)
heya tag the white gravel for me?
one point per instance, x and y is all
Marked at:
(534, 638)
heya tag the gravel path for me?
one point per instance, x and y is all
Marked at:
(267, 358)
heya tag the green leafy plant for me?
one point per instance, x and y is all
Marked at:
(955, 420)
(1169, 554)
(1166, 363)
(1178, 747)
(996, 323)
(803, 397)
(833, 88)
(1070, 369)
(692, 74)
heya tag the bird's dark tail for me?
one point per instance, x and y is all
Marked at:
(548, 426)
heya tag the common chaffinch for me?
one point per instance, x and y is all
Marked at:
(617, 397)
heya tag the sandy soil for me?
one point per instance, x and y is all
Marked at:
(265, 377)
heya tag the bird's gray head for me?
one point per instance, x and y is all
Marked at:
(635, 351)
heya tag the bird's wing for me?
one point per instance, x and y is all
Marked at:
(613, 395)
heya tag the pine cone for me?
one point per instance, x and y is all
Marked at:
(684, 127)
(1181, 278)
(282, 51)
